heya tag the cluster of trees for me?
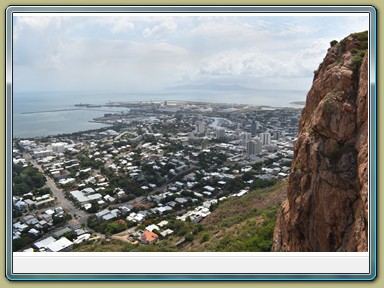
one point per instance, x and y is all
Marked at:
(211, 159)
(124, 182)
(107, 227)
(86, 162)
(26, 179)
(25, 240)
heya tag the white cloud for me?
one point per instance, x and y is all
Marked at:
(264, 63)
(25, 25)
(115, 24)
(155, 52)
(122, 26)
(292, 28)
(165, 25)
(227, 35)
(52, 62)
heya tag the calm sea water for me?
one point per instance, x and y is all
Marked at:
(69, 121)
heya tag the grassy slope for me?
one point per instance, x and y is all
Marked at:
(239, 224)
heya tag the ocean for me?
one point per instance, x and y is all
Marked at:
(31, 119)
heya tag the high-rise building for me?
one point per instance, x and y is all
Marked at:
(265, 138)
(200, 127)
(254, 147)
(277, 135)
(253, 128)
(220, 133)
(245, 137)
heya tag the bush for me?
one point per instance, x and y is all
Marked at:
(204, 237)
(116, 226)
(358, 59)
(329, 106)
(298, 166)
(333, 43)
(189, 237)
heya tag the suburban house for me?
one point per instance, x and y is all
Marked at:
(148, 237)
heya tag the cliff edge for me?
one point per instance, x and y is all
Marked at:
(327, 197)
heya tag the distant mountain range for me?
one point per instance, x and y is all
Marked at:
(211, 86)
(298, 103)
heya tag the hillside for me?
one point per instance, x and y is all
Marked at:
(238, 224)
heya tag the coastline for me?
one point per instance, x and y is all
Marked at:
(67, 120)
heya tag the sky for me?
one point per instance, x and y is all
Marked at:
(152, 53)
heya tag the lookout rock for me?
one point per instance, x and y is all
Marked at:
(327, 197)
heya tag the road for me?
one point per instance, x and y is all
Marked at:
(79, 214)
(158, 189)
(66, 204)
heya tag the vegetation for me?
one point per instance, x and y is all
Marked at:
(363, 39)
(24, 240)
(357, 59)
(298, 166)
(333, 43)
(239, 224)
(358, 53)
(207, 159)
(329, 106)
(253, 235)
(107, 227)
(26, 179)
(335, 154)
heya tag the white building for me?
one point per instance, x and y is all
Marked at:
(200, 127)
(42, 153)
(58, 147)
(220, 133)
(254, 147)
(63, 244)
(265, 138)
(245, 137)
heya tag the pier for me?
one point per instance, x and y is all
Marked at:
(47, 111)
(68, 109)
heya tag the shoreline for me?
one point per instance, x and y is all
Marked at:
(171, 103)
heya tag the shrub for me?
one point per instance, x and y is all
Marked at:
(358, 59)
(329, 106)
(298, 166)
(205, 237)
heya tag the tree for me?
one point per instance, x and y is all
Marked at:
(57, 220)
(116, 226)
(26, 178)
(189, 237)
(248, 176)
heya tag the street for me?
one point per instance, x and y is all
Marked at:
(66, 204)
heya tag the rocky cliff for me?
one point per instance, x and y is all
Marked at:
(327, 197)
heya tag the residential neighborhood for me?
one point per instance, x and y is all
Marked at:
(155, 166)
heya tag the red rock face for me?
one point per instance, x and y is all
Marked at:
(327, 197)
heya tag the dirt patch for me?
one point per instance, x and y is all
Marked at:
(142, 205)
(125, 236)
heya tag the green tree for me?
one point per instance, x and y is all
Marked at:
(26, 178)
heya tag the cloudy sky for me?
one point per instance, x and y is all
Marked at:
(157, 52)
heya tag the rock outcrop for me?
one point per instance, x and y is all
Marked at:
(327, 197)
